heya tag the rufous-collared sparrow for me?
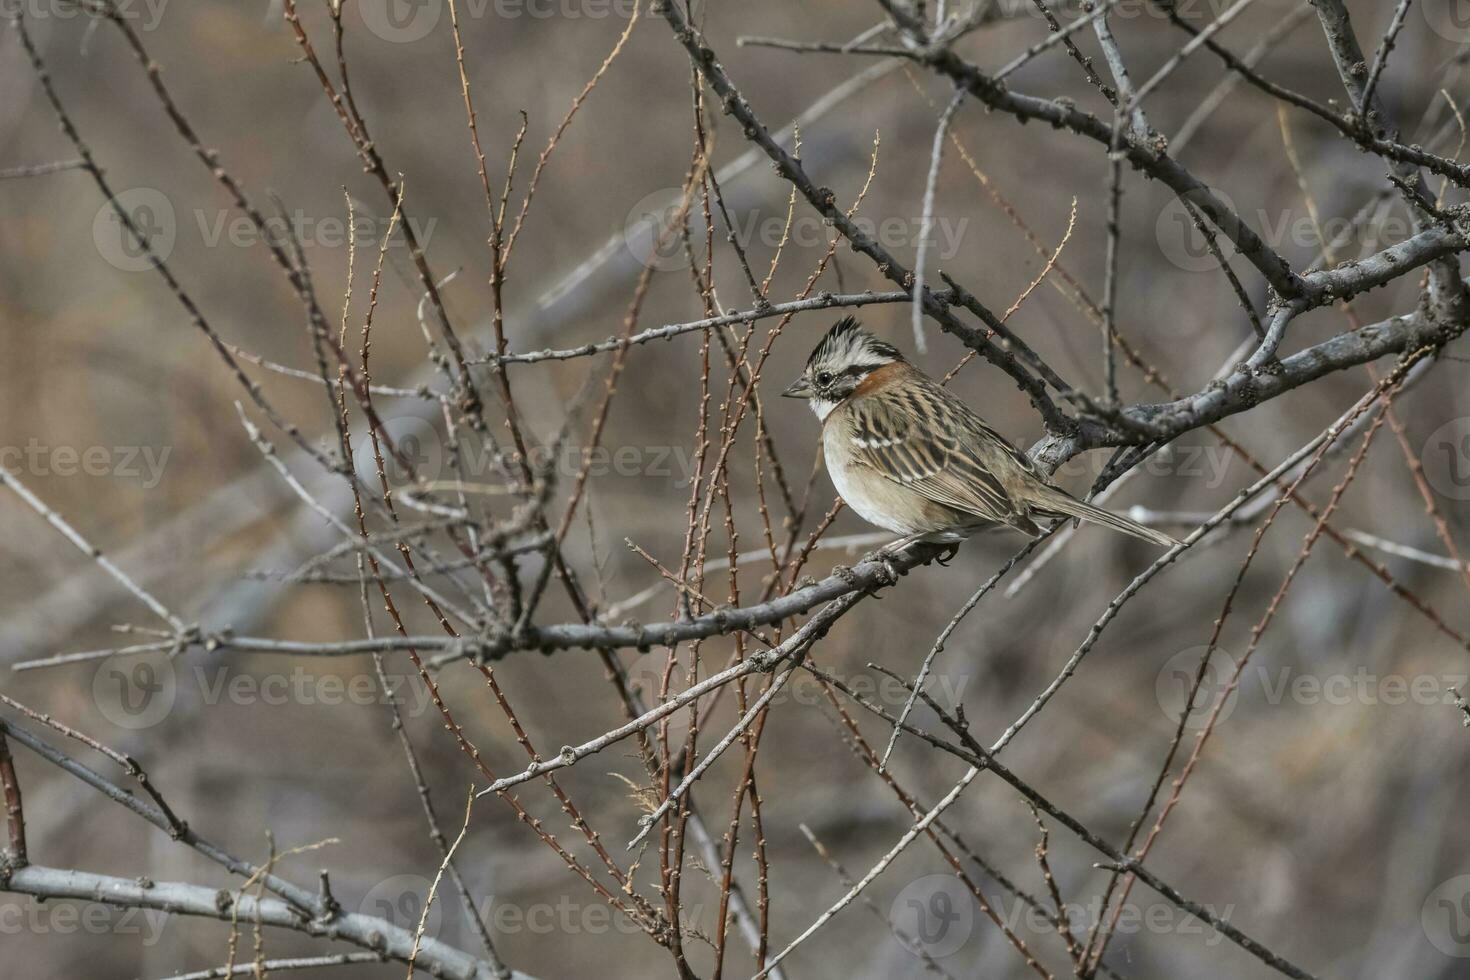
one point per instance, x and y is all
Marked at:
(910, 457)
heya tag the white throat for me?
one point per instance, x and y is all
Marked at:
(822, 407)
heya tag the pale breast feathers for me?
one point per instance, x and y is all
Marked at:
(920, 438)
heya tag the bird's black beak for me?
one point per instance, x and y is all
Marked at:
(798, 389)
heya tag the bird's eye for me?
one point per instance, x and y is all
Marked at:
(824, 378)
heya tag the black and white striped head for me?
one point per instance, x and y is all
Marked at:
(846, 355)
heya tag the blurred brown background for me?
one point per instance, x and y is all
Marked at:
(1324, 816)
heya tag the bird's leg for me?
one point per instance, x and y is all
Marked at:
(890, 551)
(895, 548)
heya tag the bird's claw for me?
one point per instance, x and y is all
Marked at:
(891, 569)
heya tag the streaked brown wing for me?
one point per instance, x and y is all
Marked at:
(924, 438)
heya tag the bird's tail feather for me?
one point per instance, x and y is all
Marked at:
(1062, 504)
